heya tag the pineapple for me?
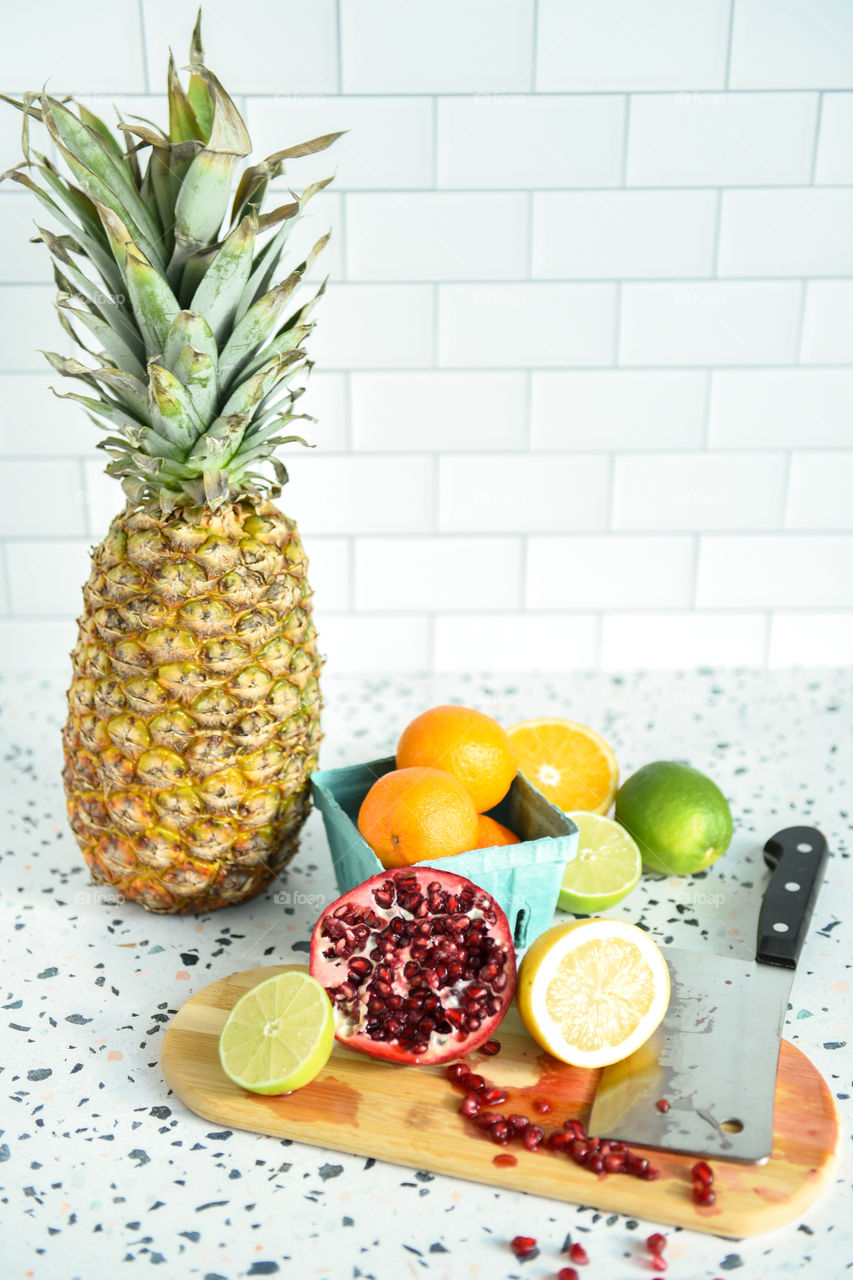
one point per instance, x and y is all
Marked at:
(194, 705)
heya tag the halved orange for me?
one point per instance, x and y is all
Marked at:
(569, 763)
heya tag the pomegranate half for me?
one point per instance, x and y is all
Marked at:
(418, 964)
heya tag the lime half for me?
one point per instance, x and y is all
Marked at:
(279, 1035)
(605, 870)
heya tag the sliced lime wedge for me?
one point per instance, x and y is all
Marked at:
(279, 1035)
(605, 870)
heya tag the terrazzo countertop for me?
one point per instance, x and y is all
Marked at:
(101, 1166)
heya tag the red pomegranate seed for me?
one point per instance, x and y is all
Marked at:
(500, 1132)
(703, 1194)
(490, 1048)
(524, 1246)
(650, 1173)
(702, 1172)
(542, 1106)
(662, 1105)
(457, 1071)
(595, 1163)
(578, 1254)
(559, 1140)
(656, 1243)
(473, 1083)
(658, 1262)
(614, 1163)
(518, 1124)
(486, 1119)
(494, 1097)
(579, 1151)
(532, 1137)
(504, 1160)
(471, 1106)
(567, 1273)
(637, 1165)
(575, 1128)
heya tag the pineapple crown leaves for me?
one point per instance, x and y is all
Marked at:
(194, 328)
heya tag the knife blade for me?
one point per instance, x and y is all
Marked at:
(715, 1055)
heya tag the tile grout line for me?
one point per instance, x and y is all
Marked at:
(534, 50)
(707, 392)
(694, 569)
(11, 612)
(768, 634)
(88, 522)
(581, 611)
(616, 337)
(626, 124)
(550, 282)
(529, 214)
(146, 79)
(434, 149)
(729, 44)
(340, 49)
(718, 224)
(816, 139)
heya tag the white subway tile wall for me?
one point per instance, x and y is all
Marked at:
(584, 369)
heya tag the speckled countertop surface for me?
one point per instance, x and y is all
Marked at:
(101, 1166)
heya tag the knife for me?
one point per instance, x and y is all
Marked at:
(714, 1057)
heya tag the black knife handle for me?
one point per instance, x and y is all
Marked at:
(797, 857)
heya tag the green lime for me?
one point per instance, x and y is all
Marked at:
(605, 870)
(679, 818)
(279, 1035)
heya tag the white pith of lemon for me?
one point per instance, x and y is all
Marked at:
(591, 992)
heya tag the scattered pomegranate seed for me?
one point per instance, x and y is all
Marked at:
(702, 1172)
(658, 1262)
(473, 1083)
(575, 1128)
(501, 1133)
(490, 1048)
(542, 1106)
(471, 1105)
(662, 1105)
(494, 1097)
(650, 1173)
(524, 1247)
(567, 1273)
(456, 1072)
(518, 1124)
(656, 1243)
(578, 1254)
(703, 1194)
(504, 1160)
(532, 1137)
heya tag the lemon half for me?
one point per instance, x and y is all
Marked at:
(591, 992)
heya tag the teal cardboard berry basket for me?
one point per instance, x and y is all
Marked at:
(524, 878)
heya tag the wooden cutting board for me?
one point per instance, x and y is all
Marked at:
(408, 1116)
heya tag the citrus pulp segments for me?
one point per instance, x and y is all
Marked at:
(279, 1035)
(605, 869)
(568, 762)
(568, 990)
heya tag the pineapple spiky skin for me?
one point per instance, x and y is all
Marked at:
(194, 706)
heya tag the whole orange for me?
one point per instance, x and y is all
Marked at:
(470, 745)
(491, 833)
(411, 815)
